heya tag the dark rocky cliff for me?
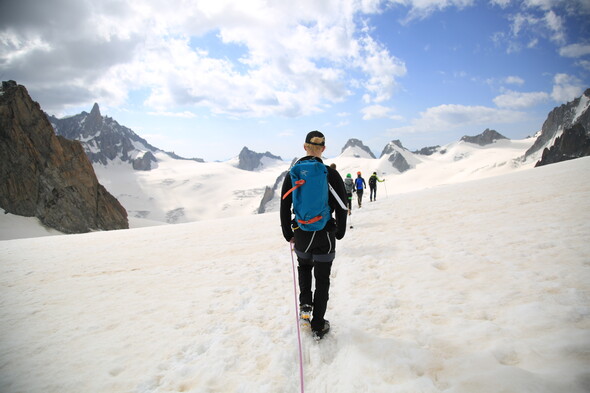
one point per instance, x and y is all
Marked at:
(560, 119)
(46, 176)
(573, 143)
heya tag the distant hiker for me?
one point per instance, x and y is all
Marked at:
(373, 186)
(359, 185)
(349, 186)
(333, 166)
(314, 241)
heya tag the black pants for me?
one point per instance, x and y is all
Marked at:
(319, 300)
(359, 195)
(373, 194)
(315, 253)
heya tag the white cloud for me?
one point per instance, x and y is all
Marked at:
(293, 58)
(556, 25)
(579, 6)
(449, 117)
(183, 114)
(530, 25)
(575, 50)
(584, 64)
(514, 80)
(566, 88)
(501, 3)
(422, 9)
(378, 112)
(381, 69)
(513, 99)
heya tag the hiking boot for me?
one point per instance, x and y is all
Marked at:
(319, 334)
(305, 315)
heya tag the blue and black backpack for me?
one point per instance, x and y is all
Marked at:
(310, 194)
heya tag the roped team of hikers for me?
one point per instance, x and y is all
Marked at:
(358, 186)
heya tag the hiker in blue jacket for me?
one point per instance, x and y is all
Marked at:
(360, 185)
(315, 250)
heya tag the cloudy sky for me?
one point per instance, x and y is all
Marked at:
(204, 78)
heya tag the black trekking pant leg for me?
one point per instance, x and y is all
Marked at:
(304, 271)
(321, 273)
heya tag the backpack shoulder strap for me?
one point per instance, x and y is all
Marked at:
(298, 184)
(333, 191)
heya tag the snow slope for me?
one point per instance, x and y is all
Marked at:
(476, 287)
(17, 227)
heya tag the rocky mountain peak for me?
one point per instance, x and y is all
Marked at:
(249, 160)
(94, 122)
(95, 112)
(47, 176)
(390, 147)
(485, 138)
(105, 140)
(357, 143)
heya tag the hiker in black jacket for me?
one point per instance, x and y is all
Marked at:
(315, 250)
(373, 186)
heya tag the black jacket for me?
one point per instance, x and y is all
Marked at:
(336, 182)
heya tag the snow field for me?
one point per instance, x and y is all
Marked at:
(473, 287)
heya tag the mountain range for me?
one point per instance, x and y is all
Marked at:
(158, 187)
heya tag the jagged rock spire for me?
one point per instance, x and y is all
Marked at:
(95, 112)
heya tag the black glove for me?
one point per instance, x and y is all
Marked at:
(331, 226)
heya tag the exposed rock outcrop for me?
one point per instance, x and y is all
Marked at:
(251, 161)
(560, 119)
(573, 143)
(144, 163)
(399, 162)
(46, 176)
(270, 192)
(485, 138)
(395, 152)
(428, 151)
